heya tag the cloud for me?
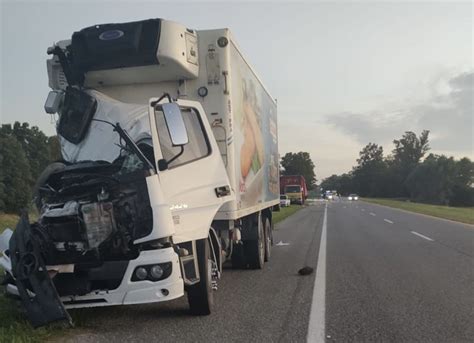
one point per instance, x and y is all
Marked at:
(448, 114)
(374, 126)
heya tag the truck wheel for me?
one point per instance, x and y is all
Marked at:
(255, 249)
(200, 295)
(268, 238)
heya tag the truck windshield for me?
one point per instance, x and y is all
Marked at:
(292, 189)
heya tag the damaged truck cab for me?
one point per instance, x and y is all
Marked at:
(170, 168)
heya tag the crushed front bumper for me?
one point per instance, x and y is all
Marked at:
(136, 292)
(29, 280)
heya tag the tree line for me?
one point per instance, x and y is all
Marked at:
(406, 173)
(24, 152)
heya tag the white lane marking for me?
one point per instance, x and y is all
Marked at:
(372, 214)
(363, 210)
(345, 207)
(388, 221)
(281, 244)
(317, 317)
(422, 236)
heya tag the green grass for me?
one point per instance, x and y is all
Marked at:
(15, 328)
(459, 214)
(285, 212)
(8, 220)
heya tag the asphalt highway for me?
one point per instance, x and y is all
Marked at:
(380, 274)
(395, 276)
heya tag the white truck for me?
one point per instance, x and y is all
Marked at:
(170, 167)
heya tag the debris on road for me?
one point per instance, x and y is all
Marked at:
(306, 270)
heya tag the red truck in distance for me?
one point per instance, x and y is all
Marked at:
(294, 186)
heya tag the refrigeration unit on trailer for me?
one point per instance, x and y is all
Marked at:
(170, 168)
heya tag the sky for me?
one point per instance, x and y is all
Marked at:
(344, 73)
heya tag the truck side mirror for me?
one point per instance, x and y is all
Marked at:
(175, 123)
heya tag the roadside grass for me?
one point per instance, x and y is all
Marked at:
(459, 214)
(15, 328)
(285, 212)
(8, 220)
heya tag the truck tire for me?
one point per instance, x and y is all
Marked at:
(255, 249)
(267, 227)
(200, 295)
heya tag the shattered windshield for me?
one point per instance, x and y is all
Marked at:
(130, 163)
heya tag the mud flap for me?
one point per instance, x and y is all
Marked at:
(37, 292)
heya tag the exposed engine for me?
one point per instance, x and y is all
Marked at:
(92, 212)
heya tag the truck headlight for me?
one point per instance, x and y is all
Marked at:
(156, 272)
(141, 273)
(152, 272)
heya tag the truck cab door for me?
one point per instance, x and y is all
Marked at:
(192, 175)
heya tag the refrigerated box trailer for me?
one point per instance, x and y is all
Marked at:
(170, 167)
